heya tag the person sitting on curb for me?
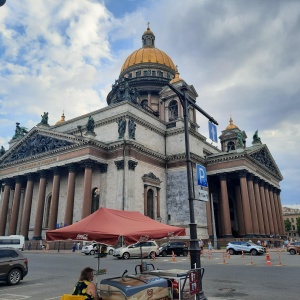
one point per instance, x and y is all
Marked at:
(85, 286)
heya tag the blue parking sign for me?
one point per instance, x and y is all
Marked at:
(212, 129)
(201, 176)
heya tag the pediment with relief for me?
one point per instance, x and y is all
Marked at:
(34, 145)
(263, 157)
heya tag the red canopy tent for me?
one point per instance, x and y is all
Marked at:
(107, 225)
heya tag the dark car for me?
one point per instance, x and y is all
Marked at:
(178, 248)
(13, 265)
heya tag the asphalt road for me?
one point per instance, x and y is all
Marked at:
(53, 274)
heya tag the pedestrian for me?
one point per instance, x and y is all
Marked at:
(78, 246)
(258, 242)
(209, 246)
(47, 247)
(73, 247)
(201, 244)
(41, 244)
(85, 285)
(29, 245)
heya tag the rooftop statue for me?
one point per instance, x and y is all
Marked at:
(2, 151)
(90, 124)
(256, 138)
(240, 142)
(19, 131)
(44, 118)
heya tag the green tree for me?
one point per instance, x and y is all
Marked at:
(287, 224)
(298, 225)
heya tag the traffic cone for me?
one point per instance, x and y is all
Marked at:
(173, 256)
(268, 259)
(228, 254)
(243, 254)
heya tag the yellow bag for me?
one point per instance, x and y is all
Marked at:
(72, 297)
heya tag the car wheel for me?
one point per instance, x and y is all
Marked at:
(110, 252)
(254, 252)
(164, 253)
(14, 277)
(126, 255)
(185, 253)
(292, 252)
(231, 252)
(152, 254)
(92, 252)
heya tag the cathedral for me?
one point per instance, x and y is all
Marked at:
(130, 155)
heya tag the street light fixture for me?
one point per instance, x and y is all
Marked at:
(194, 245)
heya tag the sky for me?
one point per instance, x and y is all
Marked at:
(242, 57)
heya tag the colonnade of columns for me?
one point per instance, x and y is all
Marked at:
(16, 184)
(257, 206)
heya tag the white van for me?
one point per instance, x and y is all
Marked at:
(13, 241)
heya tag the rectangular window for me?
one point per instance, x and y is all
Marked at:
(153, 73)
(145, 73)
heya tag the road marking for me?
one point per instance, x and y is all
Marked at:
(14, 297)
(24, 286)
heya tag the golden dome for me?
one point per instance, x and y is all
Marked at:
(231, 125)
(61, 120)
(176, 78)
(148, 55)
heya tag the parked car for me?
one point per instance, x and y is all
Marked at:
(13, 265)
(91, 249)
(293, 248)
(178, 248)
(148, 249)
(237, 247)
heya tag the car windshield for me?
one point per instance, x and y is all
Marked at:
(164, 244)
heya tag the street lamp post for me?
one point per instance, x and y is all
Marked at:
(194, 245)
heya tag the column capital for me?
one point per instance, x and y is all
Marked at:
(145, 186)
(30, 176)
(43, 173)
(271, 188)
(19, 179)
(103, 168)
(261, 182)
(119, 164)
(222, 176)
(72, 168)
(56, 171)
(88, 163)
(132, 164)
(256, 179)
(266, 184)
(8, 181)
(242, 173)
(250, 177)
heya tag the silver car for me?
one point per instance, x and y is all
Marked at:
(147, 249)
(237, 247)
(92, 249)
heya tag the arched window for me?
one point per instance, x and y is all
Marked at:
(95, 200)
(150, 203)
(173, 110)
(230, 146)
(47, 211)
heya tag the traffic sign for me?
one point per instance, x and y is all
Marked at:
(213, 134)
(201, 176)
(203, 194)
